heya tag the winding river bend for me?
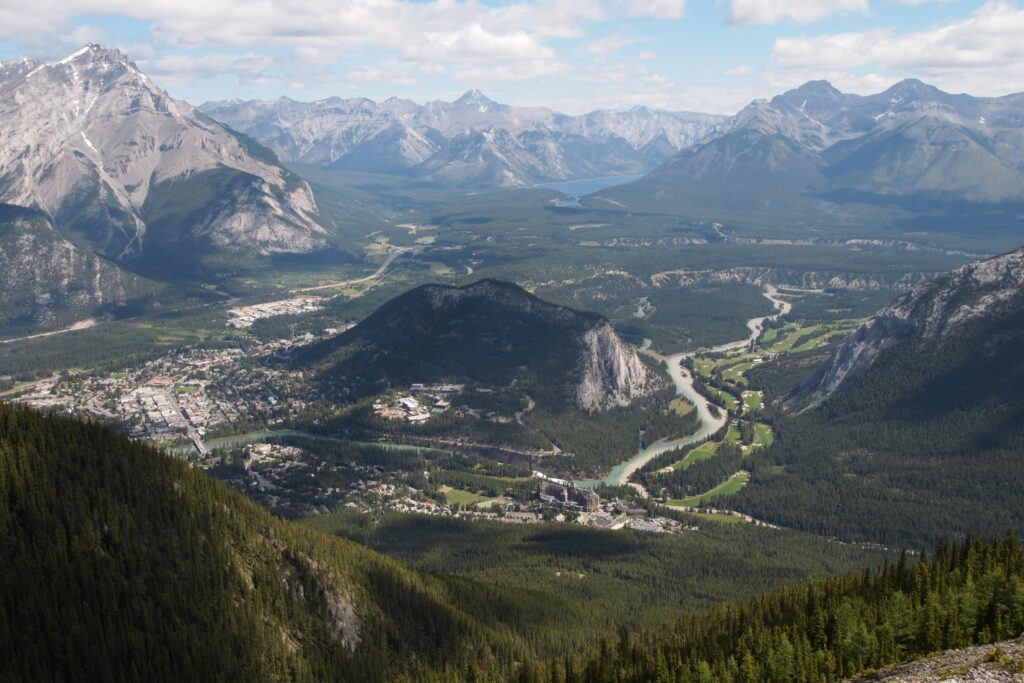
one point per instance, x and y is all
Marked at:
(683, 381)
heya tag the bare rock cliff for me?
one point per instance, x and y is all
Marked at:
(613, 374)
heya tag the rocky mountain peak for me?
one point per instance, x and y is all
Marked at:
(92, 53)
(912, 89)
(817, 91)
(475, 99)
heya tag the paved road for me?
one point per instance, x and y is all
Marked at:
(392, 255)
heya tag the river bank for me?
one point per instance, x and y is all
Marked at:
(683, 381)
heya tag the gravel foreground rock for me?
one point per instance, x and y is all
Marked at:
(999, 663)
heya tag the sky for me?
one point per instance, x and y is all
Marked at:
(571, 55)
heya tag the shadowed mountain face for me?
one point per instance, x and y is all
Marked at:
(46, 281)
(473, 140)
(910, 142)
(982, 301)
(490, 332)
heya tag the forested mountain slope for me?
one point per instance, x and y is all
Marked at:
(917, 433)
(833, 629)
(123, 564)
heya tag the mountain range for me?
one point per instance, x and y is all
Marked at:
(473, 140)
(908, 145)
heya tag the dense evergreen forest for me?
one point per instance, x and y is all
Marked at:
(966, 594)
(885, 459)
(565, 587)
(123, 564)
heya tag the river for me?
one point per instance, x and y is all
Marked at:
(683, 381)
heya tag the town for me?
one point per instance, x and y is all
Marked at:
(185, 396)
(245, 316)
(300, 477)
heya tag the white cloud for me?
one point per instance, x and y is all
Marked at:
(747, 12)
(520, 71)
(609, 44)
(183, 69)
(983, 54)
(474, 41)
(657, 9)
(375, 75)
(310, 24)
(740, 71)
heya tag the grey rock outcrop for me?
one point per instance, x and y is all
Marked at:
(932, 310)
(613, 374)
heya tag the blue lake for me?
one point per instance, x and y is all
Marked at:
(585, 186)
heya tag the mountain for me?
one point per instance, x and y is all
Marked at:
(46, 281)
(910, 143)
(958, 305)
(910, 431)
(122, 563)
(490, 332)
(472, 140)
(125, 170)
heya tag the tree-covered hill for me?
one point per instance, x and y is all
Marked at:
(122, 564)
(491, 332)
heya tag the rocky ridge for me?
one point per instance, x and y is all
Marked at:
(781, 277)
(999, 663)
(932, 310)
